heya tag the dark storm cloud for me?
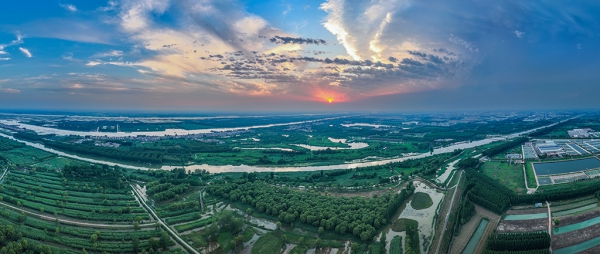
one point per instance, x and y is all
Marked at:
(296, 40)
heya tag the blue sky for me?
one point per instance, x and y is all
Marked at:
(207, 55)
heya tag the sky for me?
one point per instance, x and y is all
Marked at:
(282, 55)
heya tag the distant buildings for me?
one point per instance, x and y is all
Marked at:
(579, 133)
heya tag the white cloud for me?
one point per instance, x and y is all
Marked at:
(2, 52)
(25, 52)
(112, 5)
(519, 34)
(69, 7)
(4, 58)
(111, 53)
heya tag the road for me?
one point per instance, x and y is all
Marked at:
(165, 226)
(549, 223)
(437, 250)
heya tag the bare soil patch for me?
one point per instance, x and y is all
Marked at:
(528, 211)
(507, 226)
(572, 219)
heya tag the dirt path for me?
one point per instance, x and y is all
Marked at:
(448, 211)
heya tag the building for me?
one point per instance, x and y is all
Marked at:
(549, 148)
(513, 156)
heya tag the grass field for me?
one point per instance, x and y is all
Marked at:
(224, 239)
(421, 201)
(530, 175)
(267, 244)
(299, 249)
(197, 239)
(510, 176)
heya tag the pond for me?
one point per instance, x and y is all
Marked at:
(470, 248)
(562, 167)
(576, 226)
(578, 247)
(526, 216)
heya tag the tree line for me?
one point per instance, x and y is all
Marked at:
(359, 216)
(522, 241)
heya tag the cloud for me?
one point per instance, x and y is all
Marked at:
(288, 9)
(463, 43)
(296, 40)
(17, 41)
(111, 53)
(10, 90)
(25, 52)
(112, 5)
(4, 58)
(69, 7)
(519, 34)
(72, 29)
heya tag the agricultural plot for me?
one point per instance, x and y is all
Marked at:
(77, 214)
(509, 175)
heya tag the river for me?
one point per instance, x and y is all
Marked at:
(246, 168)
(168, 132)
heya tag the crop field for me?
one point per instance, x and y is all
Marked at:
(50, 207)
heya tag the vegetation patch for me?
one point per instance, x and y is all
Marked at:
(267, 244)
(421, 201)
(401, 224)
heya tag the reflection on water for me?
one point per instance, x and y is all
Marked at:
(424, 217)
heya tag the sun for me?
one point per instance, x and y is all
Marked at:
(330, 100)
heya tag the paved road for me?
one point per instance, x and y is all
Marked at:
(437, 250)
(165, 226)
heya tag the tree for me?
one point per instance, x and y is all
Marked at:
(321, 229)
(556, 222)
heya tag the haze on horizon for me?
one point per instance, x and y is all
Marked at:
(278, 55)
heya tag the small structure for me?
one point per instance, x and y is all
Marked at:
(538, 205)
(513, 156)
(549, 148)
